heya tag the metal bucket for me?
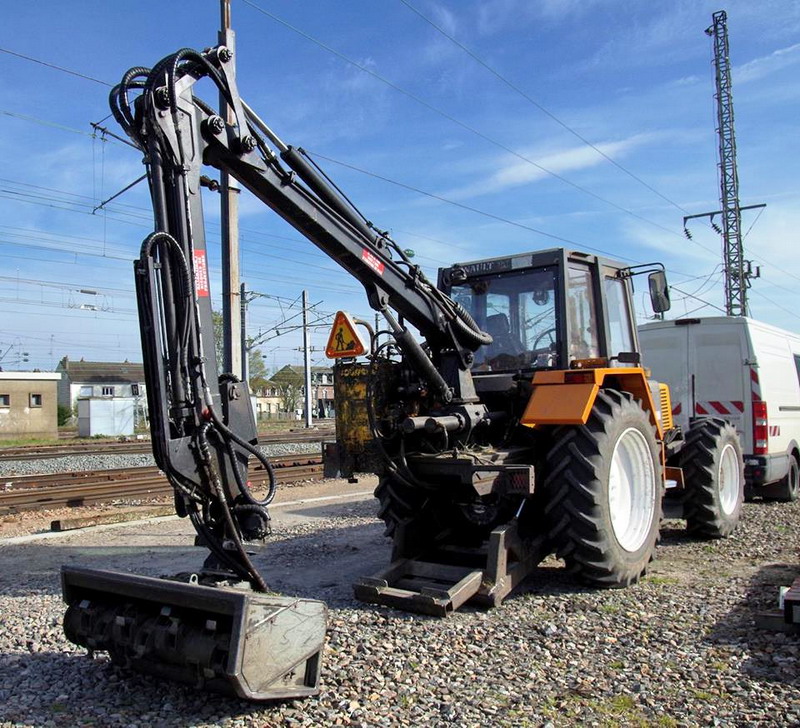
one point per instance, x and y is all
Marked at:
(229, 640)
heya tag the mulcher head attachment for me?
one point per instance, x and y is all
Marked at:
(224, 639)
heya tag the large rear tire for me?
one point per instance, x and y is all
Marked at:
(399, 503)
(713, 473)
(422, 515)
(604, 492)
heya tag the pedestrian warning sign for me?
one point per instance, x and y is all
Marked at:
(344, 339)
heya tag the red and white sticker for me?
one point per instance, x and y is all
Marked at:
(719, 408)
(201, 273)
(755, 385)
(372, 261)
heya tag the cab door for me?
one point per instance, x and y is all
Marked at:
(619, 317)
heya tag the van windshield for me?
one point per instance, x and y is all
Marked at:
(519, 311)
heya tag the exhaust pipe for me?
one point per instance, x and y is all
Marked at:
(224, 639)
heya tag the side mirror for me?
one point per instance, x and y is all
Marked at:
(659, 291)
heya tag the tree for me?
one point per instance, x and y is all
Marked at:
(219, 337)
(63, 414)
(289, 382)
(257, 370)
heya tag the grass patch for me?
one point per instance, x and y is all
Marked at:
(610, 712)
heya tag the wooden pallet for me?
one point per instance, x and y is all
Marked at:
(786, 619)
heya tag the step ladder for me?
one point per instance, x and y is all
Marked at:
(442, 580)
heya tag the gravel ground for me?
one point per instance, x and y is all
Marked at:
(678, 649)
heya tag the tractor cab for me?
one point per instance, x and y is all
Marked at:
(550, 309)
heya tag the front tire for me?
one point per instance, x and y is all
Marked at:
(604, 492)
(713, 473)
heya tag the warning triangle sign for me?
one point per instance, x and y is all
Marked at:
(344, 339)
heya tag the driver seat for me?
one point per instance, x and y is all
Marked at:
(504, 342)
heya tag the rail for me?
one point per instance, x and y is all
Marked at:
(94, 487)
(39, 452)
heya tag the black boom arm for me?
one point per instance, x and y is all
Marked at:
(202, 424)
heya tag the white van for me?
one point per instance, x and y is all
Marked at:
(743, 371)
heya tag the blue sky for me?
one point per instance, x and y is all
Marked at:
(459, 161)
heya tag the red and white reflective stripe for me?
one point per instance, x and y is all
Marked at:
(774, 430)
(716, 407)
(755, 385)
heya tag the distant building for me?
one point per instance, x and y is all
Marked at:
(321, 388)
(268, 399)
(28, 404)
(322, 391)
(102, 379)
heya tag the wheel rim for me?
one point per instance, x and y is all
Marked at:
(631, 489)
(729, 479)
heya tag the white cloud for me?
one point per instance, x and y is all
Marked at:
(760, 67)
(495, 16)
(512, 171)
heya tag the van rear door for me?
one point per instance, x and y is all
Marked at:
(718, 375)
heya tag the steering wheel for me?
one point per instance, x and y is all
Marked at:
(550, 334)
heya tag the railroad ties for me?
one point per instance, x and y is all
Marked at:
(83, 488)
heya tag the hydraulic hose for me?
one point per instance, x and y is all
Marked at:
(467, 326)
(255, 578)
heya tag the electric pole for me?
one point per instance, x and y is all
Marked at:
(738, 271)
(243, 301)
(307, 358)
(229, 189)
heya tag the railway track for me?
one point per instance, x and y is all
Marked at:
(83, 488)
(40, 452)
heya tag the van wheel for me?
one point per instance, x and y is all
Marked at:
(713, 471)
(789, 487)
(604, 490)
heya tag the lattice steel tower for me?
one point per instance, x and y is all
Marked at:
(737, 270)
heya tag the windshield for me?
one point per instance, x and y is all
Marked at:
(519, 311)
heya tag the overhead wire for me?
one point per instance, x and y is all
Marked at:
(775, 303)
(484, 213)
(539, 106)
(444, 114)
(367, 70)
(458, 122)
(427, 105)
(54, 66)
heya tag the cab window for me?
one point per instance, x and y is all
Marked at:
(519, 311)
(583, 337)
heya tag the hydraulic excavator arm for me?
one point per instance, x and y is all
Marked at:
(203, 436)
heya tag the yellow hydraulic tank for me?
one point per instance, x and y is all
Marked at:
(360, 401)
